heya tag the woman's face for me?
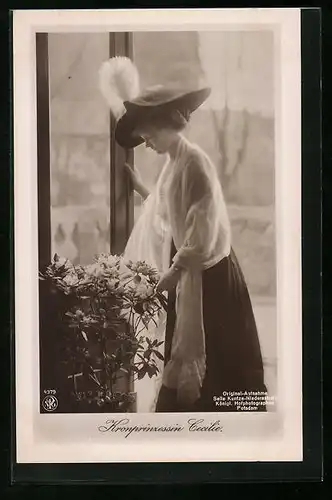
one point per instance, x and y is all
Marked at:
(157, 139)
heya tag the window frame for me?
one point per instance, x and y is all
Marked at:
(121, 194)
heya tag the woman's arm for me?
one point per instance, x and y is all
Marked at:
(195, 195)
(136, 181)
(169, 279)
(142, 191)
(198, 213)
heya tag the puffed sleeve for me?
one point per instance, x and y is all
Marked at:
(198, 215)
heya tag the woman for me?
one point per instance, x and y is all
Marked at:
(211, 344)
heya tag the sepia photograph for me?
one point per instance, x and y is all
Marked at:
(158, 278)
(174, 303)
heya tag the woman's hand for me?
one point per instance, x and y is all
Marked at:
(136, 181)
(169, 280)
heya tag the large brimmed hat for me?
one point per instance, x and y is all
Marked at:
(119, 83)
(155, 101)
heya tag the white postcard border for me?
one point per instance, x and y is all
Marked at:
(50, 438)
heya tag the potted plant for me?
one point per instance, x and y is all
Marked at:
(104, 310)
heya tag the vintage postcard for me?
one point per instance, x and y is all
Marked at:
(158, 235)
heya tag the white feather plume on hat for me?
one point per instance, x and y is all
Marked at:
(118, 82)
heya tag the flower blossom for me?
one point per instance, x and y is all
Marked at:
(143, 290)
(59, 262)
(71, 279)
(94, 270)
(112, 284)
(108, 260)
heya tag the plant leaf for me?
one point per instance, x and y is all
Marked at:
(159, 355)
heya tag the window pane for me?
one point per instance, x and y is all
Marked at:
(80, 146)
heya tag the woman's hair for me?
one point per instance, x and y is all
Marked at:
(173, 119)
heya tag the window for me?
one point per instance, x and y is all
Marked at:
(79, 147)
(84, 205)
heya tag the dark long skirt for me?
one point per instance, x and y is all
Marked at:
(233, 355)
